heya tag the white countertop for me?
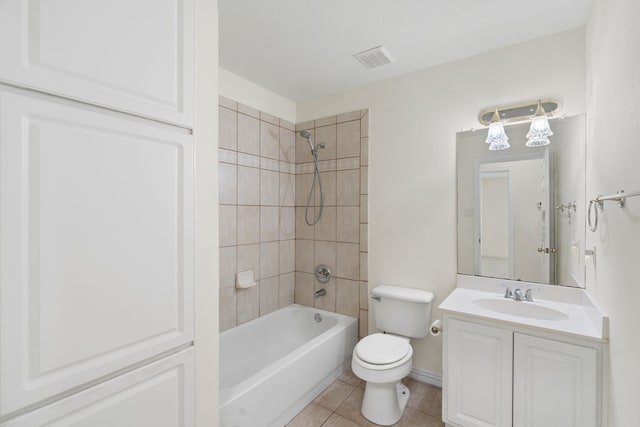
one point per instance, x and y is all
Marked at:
(584, 319)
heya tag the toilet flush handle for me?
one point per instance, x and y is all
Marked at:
(375, 297)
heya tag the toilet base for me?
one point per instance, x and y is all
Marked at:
(384, 403)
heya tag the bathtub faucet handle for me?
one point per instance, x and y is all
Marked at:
(323, 273)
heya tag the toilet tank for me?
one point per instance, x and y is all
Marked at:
(402, 311)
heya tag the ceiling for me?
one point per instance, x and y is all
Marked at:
(303, 49)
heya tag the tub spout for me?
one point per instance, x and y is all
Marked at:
(321, 292)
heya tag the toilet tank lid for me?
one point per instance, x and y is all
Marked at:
(403, 294)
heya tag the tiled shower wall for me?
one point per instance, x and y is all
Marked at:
(265, 174)
(339, 239)
(257, 211)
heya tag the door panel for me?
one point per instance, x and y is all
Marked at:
(96, 214)
(156, 395)
(60, 47)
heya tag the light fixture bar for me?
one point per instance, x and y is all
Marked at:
(518, 112)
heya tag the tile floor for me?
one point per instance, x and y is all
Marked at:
(339, 406)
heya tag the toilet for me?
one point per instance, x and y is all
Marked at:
(383, 359)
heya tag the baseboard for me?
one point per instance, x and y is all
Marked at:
(426, 377)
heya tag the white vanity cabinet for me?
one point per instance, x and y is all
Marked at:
(496, 375)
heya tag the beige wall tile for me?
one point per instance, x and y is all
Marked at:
(326, 135)
(303, 186)
(287, 256)
(348, 297)
(269, 295)
(287, 223)
(305, 125)
(269, 118)
(305, 256)
(248, 224)
(364, 208)
(325, 253)
(364, 180)
(325, 229)
(328, 301)
(248, 186)
(348, 224)
(248, 304)
(304, 289)
(363, 323)
(364, 266)
(228, 308)
(269, 188)
(287, 125)
(227, 103)
(364, 237)
(304, 230)
(351, 115)
(287, 189)
(287, 145)
(269, 140)
(364, 151)
(331, 120)
(249, 259)
(248, 135)
(303, 151)
(286, 289)
(269, 223)
(227, 184)
(227, 129)
(249, 111)
(269, 263)
(348, 139)
(364, 295)
(348, 188)
(348, 261)
(328, 189)
(227, 225)
(364, 125)
(228, 263)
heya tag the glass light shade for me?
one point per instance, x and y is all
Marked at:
(494, 146)
(496, 135)
(539, 132)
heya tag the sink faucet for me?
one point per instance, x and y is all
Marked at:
(517, 295)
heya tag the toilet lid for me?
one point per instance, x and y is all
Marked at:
(382, 349)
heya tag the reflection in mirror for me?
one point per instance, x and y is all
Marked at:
(521, 211)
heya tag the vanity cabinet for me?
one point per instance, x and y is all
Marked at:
(513, 377)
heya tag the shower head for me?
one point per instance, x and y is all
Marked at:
(305, 134)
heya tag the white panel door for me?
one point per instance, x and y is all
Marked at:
(96, 218)
(131, 55)
(478, 375)
(555, 384)
(157, 395)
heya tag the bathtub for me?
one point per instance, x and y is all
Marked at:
(275, 365)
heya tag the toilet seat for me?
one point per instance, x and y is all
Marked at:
(382, 352)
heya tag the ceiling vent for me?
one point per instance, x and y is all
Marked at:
(374, 57)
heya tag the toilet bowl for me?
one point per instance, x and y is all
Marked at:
(382, 360)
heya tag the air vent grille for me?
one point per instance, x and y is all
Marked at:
(374, 57)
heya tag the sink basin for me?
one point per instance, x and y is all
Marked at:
(529, 310)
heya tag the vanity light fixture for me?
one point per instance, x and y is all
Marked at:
(540, 131)
(497, 138)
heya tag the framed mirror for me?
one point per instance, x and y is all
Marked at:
(521, 211)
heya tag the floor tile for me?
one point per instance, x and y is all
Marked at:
(413, 418)
(351, 408)
(311, 416)
(350, 378)
(424, 398)
(334, 395)
(336, 420)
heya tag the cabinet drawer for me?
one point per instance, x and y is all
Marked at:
(96, 221)
(133, 56)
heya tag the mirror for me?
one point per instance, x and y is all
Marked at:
(521, 211)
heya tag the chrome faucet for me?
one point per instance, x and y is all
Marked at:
(517, 295)
(321, 292)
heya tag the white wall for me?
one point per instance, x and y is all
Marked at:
(613, 106)
(242, 90)
(413, 122)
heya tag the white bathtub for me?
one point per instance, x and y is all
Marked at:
(275, 365)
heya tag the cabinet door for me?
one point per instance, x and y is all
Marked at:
(131, 55)
(478, 374)
(157, 395)
(96, 218)
(555, 383)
